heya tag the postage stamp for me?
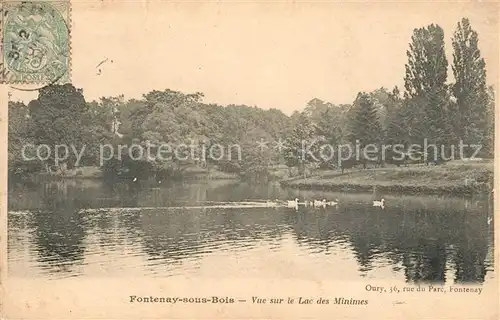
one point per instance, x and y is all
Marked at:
(35, 42)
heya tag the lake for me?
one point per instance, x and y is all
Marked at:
(56, 231)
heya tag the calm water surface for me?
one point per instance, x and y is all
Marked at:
(55, 232)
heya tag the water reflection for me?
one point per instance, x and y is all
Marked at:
(421, 239)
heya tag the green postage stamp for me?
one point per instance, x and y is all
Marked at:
(35, 46)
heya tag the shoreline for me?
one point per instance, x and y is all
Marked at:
(43, 178)
(457, 178)
(394, 188)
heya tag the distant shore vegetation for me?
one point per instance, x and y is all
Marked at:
(430, 106)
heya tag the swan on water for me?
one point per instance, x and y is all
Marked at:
(306, 203)
(489, 220)
(135, 179)
(380, 203)
(318, 203)
(333, 203)
(293, 203)
(271, 204)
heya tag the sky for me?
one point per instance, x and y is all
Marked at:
(268, 54)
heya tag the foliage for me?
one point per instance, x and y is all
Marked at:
(429, 107)
(469, 90)
(300, 144)
(364, 123)
(18, 137)
(425, 84)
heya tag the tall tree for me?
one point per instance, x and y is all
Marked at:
(489, 142)
(469, 90)
(396, 126)
(364, 123)
(106, 112)
(381, 98)
(425, 84)
(300, 147)
(59, 117)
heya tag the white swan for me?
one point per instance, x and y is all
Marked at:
(271, 204)
(489, 220)
(293, 203)
(318, 203)
(135, 179)
(333, 203)
(380, 203)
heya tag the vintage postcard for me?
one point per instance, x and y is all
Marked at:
(248, 159)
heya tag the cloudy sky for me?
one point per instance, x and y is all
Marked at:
(272, 55)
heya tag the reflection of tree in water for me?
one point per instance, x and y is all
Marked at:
(59, 228)
(169, 234)
(143, 193)
(426, 263)
(470, 254)
(365, 235)
(177, 234)
(318, 228)
(418, 239)
(298, 221)
(423, 240)
(311, 228)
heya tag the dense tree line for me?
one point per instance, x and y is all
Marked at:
(61, 116)
(430, 107)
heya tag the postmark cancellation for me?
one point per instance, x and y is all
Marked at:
(35, 42)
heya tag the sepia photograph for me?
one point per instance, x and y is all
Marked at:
(242, 160)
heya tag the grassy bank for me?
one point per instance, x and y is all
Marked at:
(453, 178)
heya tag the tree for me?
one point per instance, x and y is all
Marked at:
(300, 145)
(381, 98)
(103, 127)
(106, 112)
(59, 117)
(131, 116)
(489, 141)
(469, 90)
(328, 130)
(256, 159)
(396, 128)
(426, 70)
(364, 124)
(18, 137)
(425, 83)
